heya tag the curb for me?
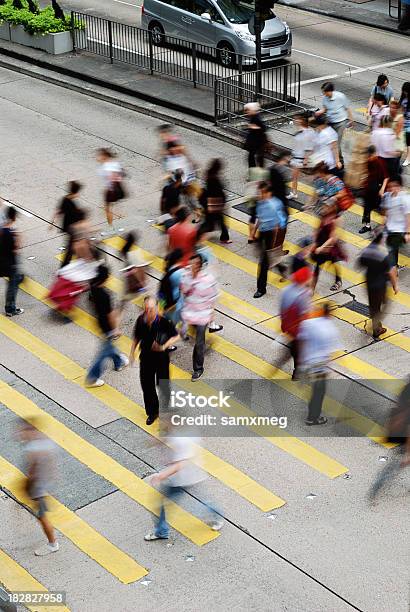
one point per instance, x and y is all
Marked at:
(342, 17)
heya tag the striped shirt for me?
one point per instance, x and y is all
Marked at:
(200, 294)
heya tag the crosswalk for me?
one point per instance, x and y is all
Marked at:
(261, 498)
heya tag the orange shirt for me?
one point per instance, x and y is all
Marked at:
(183, 236)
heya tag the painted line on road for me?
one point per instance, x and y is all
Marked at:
(327, 59)
(81, 534)
(17, 579)
(266, 370)
(326, 77)
(230, 476)
(377, 66)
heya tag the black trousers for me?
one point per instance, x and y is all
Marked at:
(318, 382)
(213, 219)
(199, 348)
(265, 245)
(377, 299)
(394, 241)
(256, 159)
(68, 254)
(155, 372)
(371, 202)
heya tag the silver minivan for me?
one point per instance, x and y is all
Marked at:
(222, 24)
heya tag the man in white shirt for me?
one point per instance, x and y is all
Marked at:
(326, 145)
(337, 109)
(318, 340)
(396, 208)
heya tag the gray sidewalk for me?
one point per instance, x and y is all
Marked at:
(374, 13)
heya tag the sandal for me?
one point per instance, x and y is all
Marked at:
(320, 421)
(336, 286)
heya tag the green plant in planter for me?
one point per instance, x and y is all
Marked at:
(34, 20)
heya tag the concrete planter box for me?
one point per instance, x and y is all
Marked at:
(4, 31)
(51, 43)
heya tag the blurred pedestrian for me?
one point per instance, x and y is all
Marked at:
(374, 187)
(3, 212)
(69, 212)
(200, 291)
(376, 259)
(271, 223)
(326, 246)
(382, 86)
(154, 335)
(398, 432)
(107, 318)
(385, 140)
(183, 235)
(338, 112)
(326, 146)
(113, 177)
(171, 193)
(214, 200)
(378, 110)
(318, 339)
(256, 138)
(255, 177)
(405, 104)
(295, 305)
(40, 459)
(303, 147)
(179, 161)
(396, 208)
(328, 188)
(181, 473)
(397, 117)
(170, 296)
(134, 274)
(10, 244)
(279, 176)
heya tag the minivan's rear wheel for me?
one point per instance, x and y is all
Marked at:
(226, 55)
(157, 33)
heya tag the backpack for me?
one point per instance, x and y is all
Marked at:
(291, 319)
(165, 292)
(345, 199)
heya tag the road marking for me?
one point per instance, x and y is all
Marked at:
(15, 578)
(326, 77)
(127, 3)
(265, 370)
(81, 534)
(327, 59)
(232, 477)
(377, 66)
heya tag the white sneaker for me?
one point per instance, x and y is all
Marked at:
(216, 525)
(125, 362)
(47, 549)
(406, 163)
(292, 195)
(97, 383)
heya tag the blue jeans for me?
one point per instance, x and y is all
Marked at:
(173, 493)
(15, 279)
(107, 351)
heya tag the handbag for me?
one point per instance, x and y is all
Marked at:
(215, 205)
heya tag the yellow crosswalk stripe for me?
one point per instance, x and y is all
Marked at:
(17, 579)
(81, 534)
(101, 463)
(227, 474)
(220, 469)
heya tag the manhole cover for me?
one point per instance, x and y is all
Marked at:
(358, 307)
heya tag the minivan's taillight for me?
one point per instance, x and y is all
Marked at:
(142, 9)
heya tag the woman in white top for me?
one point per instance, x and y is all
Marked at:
(385, 141)
(378, 110)
(112, 174)
(303, 146)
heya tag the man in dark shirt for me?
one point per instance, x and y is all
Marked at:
(70, 213)
(154, 334)
(256, 139)
(107, 321)
(171, 194)
(379, 271)
(9, 265)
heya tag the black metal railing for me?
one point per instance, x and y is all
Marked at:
(174, 57)
(395, 9)
(278, 97)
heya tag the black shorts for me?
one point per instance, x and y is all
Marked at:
(41, 506)
(252, 213)
(408, 139)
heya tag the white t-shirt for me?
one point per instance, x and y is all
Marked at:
(109, 168)
(319, 339)
(397, 208)
(323, 148)
(384, 139)
(376, 115)
(184, 449)
(304, 141)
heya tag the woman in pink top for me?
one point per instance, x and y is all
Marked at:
(200, 293)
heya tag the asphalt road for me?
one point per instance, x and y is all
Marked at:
(325, 550)
(326, 49)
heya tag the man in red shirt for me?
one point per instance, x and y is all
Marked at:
(183, 235)
(377, 177)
